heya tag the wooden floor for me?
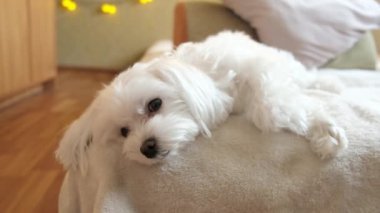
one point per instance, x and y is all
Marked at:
(30, 177)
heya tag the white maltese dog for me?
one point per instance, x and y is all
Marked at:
(154, 108)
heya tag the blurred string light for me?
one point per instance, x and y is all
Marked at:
(109, 8)
(145, 1)
(69, 5)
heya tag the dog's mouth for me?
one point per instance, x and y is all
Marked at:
(158, 154)
(163, 153)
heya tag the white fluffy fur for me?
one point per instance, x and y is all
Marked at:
(200, 85)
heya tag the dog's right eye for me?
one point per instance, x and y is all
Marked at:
(124, 131)
(154, 105)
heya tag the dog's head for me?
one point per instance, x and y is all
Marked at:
(152, 109)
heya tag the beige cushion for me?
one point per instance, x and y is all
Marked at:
(361, 56)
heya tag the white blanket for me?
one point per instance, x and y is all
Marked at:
(315, 31)
(243, 170)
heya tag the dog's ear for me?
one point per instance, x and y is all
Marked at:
(72, 147)
(207, 103)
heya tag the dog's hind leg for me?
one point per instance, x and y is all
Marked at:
(318, 81)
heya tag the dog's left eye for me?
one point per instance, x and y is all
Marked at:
(124, 131)
(154, 105)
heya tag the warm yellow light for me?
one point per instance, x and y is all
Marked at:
(109, 9)
(145, 1)
(69, 5)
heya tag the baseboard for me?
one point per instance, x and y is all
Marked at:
(17, 98)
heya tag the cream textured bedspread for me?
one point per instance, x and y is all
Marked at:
(243, 170)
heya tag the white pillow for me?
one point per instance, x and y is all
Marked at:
(315, 31)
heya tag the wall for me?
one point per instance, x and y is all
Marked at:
(89, 39)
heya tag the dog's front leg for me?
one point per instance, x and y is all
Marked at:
(325, 136)
(272, 108)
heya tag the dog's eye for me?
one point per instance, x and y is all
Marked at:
(124, 132)
(154, 105)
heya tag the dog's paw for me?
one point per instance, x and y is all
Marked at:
(327, 140)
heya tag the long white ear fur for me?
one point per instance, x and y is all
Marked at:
(72, 147)
(207, 103)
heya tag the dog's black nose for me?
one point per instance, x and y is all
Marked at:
(149, 148)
